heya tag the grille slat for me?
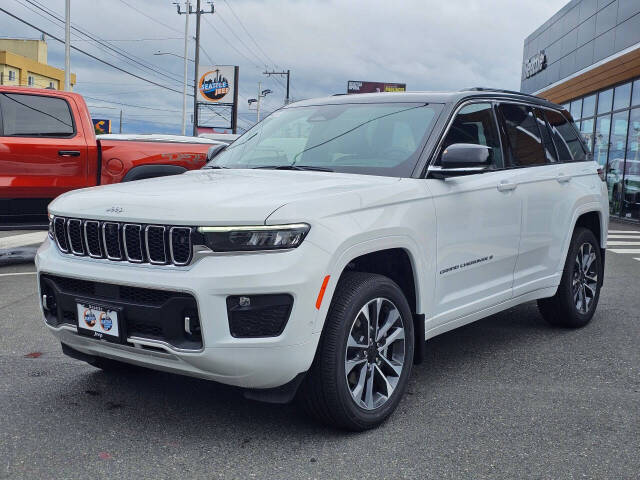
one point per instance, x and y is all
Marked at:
(156, 251)
(92, 238)
(74, 231)
(132, 242)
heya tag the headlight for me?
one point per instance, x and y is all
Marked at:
(50, 225)
(248, 238)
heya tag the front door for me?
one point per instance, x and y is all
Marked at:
(478, 225)
(41, 155)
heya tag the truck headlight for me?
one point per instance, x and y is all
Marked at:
(249, 238)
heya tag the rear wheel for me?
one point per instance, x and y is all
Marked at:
(365, 355)
(575, 302)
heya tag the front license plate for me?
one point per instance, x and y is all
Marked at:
(98, 321)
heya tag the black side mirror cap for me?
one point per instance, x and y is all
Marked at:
(465, 155)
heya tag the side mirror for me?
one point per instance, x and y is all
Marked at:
(214, 150)
(462, 159)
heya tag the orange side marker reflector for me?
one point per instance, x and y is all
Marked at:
(321, 292)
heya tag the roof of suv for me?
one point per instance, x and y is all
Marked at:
(427, 97)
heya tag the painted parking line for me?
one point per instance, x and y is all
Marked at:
(16, 273)
(624, 231)
(623, 244)
(623, 237)
(631, 251)
(22, 240)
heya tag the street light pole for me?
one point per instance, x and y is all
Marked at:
(258, 102)
(184, 88)
(195, 75)
(67, 45)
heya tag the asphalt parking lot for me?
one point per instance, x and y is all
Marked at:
(505, 397)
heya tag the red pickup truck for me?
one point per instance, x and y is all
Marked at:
(48, 146)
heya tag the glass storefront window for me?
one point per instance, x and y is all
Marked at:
(622, 96)
(605, 99)
(615, 166)
(635, 98)
(576, 109)
(586, 128)
(601, 139)
(589, 106)
(632, 168)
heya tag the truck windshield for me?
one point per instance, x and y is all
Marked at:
(373, 138)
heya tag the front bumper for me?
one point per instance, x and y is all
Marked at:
(264, 362)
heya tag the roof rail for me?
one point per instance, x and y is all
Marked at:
(500, 90)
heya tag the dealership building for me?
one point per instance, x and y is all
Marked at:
(587, 58)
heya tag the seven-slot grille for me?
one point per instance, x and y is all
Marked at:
(131, 242)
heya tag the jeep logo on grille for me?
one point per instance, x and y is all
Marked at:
(115, 210)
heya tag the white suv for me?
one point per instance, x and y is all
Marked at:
(317, 253)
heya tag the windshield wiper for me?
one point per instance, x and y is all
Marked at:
(295, 167)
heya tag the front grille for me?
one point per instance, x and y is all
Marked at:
(131, 242)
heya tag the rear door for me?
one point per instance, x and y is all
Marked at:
(478, 224)
(42, 154)
(542, 185)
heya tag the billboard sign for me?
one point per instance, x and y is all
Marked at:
(354, 86)
(101, 126)
(216, 84)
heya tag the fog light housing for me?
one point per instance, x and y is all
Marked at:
(261, 316)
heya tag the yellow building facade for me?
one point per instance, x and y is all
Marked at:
(24, 63)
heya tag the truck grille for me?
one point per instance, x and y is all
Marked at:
(129, 242)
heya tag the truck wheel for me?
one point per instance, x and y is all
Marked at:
(364, 358)
(575, 302)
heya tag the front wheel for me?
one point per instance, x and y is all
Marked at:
(364, 358)
(575, 302)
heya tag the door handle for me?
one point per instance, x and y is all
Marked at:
(69, 153)
(562, 178)
(505, 186)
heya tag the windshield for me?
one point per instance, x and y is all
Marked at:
(374, 139)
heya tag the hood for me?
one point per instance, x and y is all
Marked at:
(210, 197)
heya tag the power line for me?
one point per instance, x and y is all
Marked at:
(260, 60)
(230, 44)
(89, 54)
(131, 105)
(249, 34)
(133, 58)
(151, 18)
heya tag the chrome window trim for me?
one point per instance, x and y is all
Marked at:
(104, 240)
(146, 241)
(173, 260)
(86, 241)
(79, 253)
(124, 242)
(64, 229)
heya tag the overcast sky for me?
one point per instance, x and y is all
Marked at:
(427, 44)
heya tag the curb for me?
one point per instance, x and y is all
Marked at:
(12, 256)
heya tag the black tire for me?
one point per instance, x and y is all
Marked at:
(325, 393)
(561, 309)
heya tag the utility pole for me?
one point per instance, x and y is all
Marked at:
(287, 74)
(189, 11)
(261, 95)
(67, 45)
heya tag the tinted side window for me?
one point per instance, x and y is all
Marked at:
(565, 137)
(547, 143)
(35, 116)
(475, 123)
(523, 135)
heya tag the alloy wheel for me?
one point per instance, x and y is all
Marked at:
(585, 278)
(375, 353)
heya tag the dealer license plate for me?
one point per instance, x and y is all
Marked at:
(98, 321)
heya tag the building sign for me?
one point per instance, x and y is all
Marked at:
(216, 84)
(101, 126)
(535, 64)
(374, 87)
